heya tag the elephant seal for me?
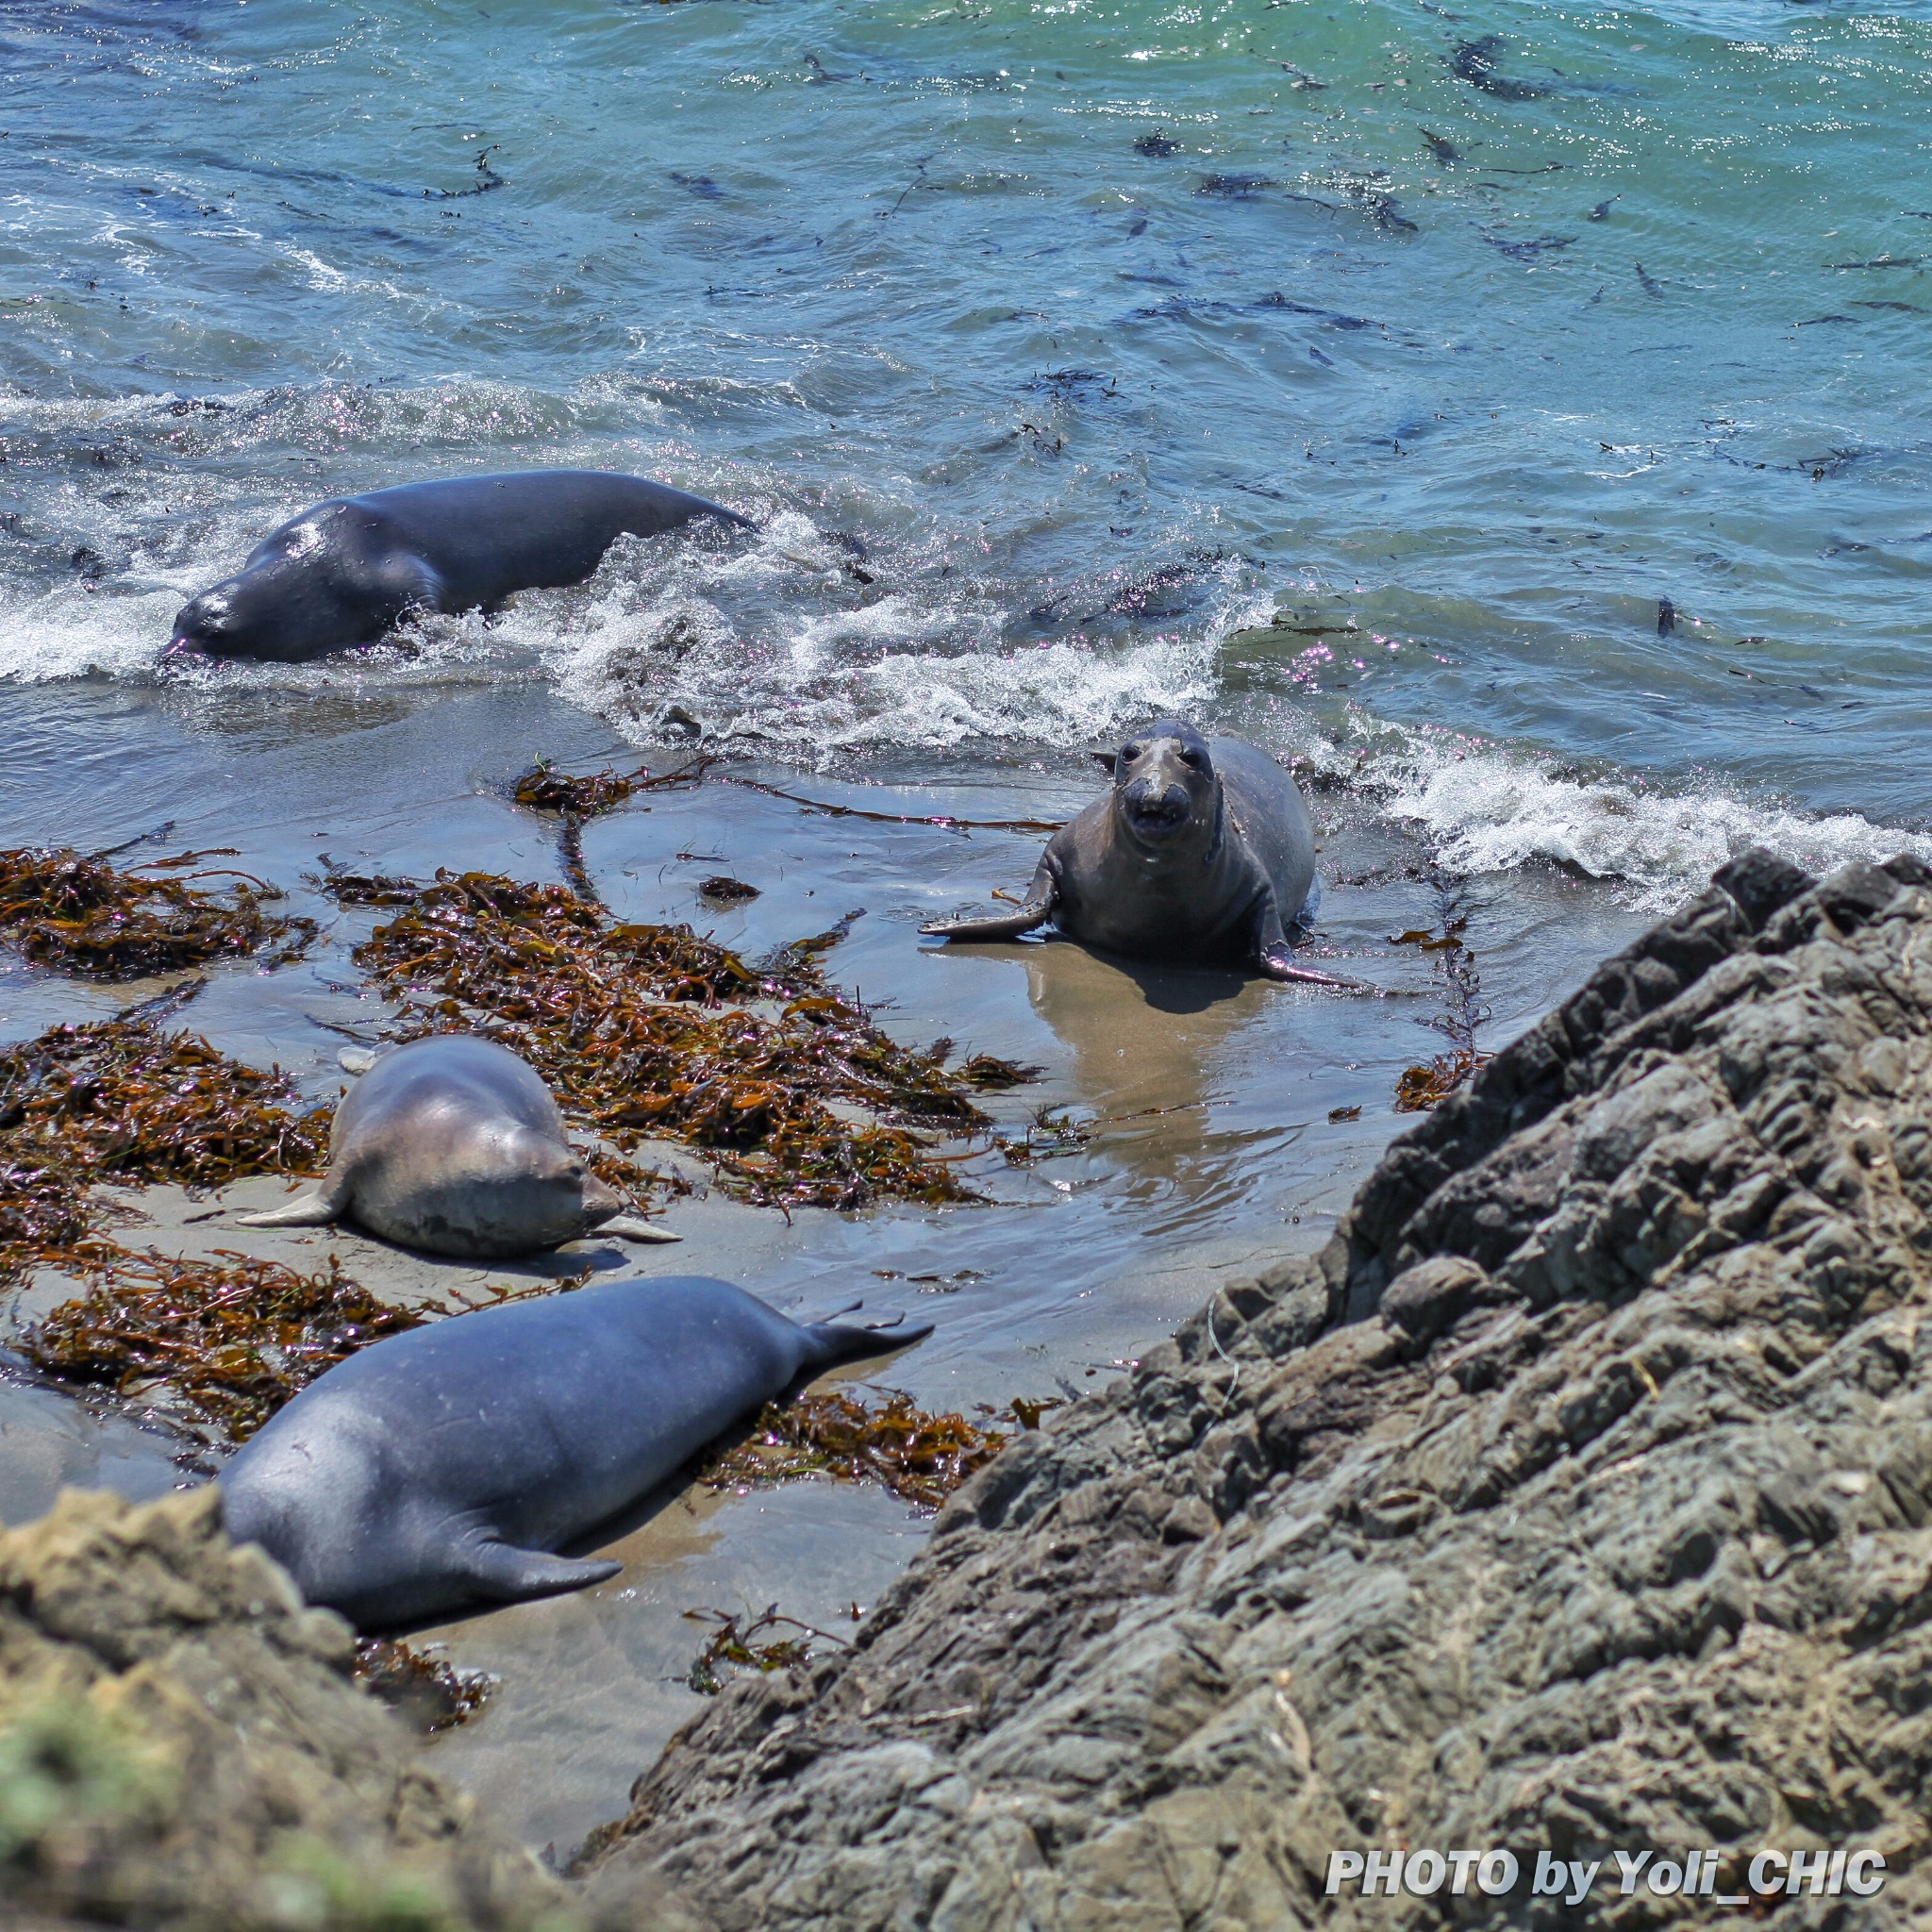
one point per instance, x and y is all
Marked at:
(1202, 852)
(447, 1465)
(344, 571)
(453, 1145)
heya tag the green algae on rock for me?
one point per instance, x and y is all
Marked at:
(1576, 1497)
(182, 1747)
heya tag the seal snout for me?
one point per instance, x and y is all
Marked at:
(1157, 809)
(205, 624)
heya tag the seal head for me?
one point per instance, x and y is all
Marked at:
(1165, 786)
(335, 569)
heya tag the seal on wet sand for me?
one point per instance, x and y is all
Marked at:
(344, 571)
(453, 1145)
(1202, 852)
(447, 1466)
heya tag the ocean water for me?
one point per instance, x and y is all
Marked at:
(1515, 415)
(1368, 375)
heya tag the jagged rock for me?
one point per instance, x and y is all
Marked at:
(181, 1747)
(1577, 1496)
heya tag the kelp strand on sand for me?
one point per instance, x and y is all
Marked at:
(732, 1643)
(644, 1032)
(126, 1102)
(121, 1101)
(910, 1450)
(84, 916)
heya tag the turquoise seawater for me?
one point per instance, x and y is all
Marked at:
(1371, 375)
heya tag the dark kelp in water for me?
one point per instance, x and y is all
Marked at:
(732, 1643)
(910, 1450)
(85, 916)
(230, 1339)
(1427, 1086)
(644, 1031)
(426, 1691)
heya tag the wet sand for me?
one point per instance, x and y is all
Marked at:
(1207, 1100)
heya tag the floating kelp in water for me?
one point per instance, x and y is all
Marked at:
(84, 916)
(990, 1075)
(232, 1339)
(735, 1644)
(910, 1450)
(425, 1690)
(1427, 1086)
(543, 787)
(610, 1014)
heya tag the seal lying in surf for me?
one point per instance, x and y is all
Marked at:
(1202, 852)
(453, 1145)
(447, 1465)
(346, 571)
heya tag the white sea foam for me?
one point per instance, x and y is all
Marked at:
(1486, 807)
(774, 644)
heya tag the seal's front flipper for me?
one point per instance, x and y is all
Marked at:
(507, 1573)
(315, 1209)
(1037, 912)
(631, 1228)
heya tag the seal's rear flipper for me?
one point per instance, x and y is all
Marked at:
(507, 1573)
(315, 1209)
(631, 1228)
(843, 1339)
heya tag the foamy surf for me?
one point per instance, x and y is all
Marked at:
(1488, 807)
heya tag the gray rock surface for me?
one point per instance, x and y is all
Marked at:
(1577, 1496)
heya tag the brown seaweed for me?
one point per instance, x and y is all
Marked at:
(910, 1450)
(1423, 1087)
(82, 915)
(425, 1690)
(543, 787)
(233, 1338)
(737, 1645)
(644, 1031)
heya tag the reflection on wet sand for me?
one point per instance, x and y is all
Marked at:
(1148, 1042)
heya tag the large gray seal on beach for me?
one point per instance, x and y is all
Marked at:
(448, 1465)
(453, 1145)
(1203, 852)
(344, 571)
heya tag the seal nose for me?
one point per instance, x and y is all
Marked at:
(601, 1201)
(202, 621)
(1154, 805)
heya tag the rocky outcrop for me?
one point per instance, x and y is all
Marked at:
(1576, 1497)
(181, 1747)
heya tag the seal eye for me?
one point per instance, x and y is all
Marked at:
(1197, 760)
(1130, 752)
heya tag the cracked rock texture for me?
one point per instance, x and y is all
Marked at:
(181, 1747)
(1578, 1495)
